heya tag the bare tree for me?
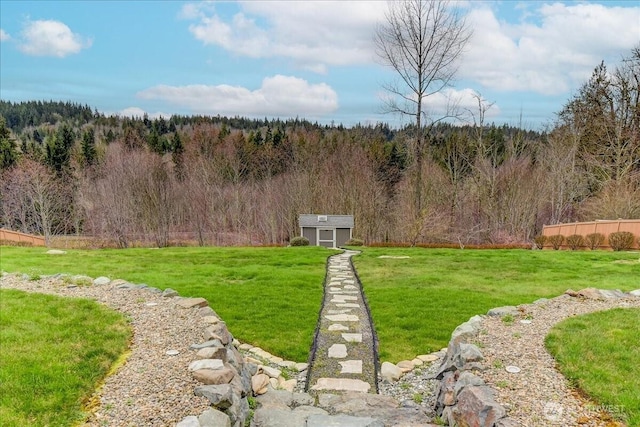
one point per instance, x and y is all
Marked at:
(422, 41)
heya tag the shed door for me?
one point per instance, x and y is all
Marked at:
(327, 237)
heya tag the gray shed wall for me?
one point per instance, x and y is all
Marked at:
(310, 234)
(342, 235)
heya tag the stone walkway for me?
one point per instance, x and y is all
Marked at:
(344, 356)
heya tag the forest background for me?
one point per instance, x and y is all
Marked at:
(67, 169)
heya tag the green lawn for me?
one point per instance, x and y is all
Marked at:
(599, 353)
(269, 297)
(53, 353)
(417, 302)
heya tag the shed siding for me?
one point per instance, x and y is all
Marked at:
(310, 234)
(342, 235)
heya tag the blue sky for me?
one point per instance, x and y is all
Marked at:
(310, 59)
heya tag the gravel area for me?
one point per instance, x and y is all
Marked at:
(539, 395)
(151, 388)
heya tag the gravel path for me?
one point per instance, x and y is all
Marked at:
(151, 388)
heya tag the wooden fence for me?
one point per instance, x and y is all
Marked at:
(604, 227)
(16, 236)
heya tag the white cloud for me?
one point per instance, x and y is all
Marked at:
(278, 96)
(4, 36)
(137, 112)
(51, 38)
(313, 34)
(552, 50)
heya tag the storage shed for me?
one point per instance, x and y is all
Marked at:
(330, 231)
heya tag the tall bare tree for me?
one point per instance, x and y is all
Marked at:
(422, 41)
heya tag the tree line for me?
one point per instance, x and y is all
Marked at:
(67, 169)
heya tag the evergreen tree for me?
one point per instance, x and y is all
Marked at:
(89, 147)
(59, 149)
(177, 150)
(8, 152)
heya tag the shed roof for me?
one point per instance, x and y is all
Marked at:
(315, 220)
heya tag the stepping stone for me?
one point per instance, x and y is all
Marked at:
(348, 304)
(352, 337)
(343, 311)
(350, 287)
(341, 384)
(345, 298)
(351, 367)
(349, 282)
(338, 327)
(338, 351)
(342, 318)
(335, 289)
(192, 303)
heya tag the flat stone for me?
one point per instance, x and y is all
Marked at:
(342, 421)
(206, 364)
(427, 358)
(351, 367)
(405, 366)
(417, 362)
(350, 287)
(635, 293)
(352, 337)
(338, 327)
(212, 320)
(172, 352)
(271, 372)
(101, 281)
(338, 351)
(287, 364)
(275, 359)
(342, 318)
(56, 252)
(169, 293)
(344, 298)
(503, 311)
(348, 305)
(301, 367)
(342, 384)
(192, 303)
(210, 343)
(245, 347)
(212, 353)
(342, 311)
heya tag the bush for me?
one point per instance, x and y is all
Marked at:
(556, 241)
(299, 241)
(621, 240)
(354, 242)
(575, 241)
(540, 241)
(594, 240)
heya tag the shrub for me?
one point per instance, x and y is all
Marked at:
(299, 241)
(621, 240)
(575, 241)
(354, 242)
(556, 241)
(594, 240)
(540, 241)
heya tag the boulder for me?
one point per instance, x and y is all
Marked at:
(477, 407)
(260, 383)
(213, 364)
(590, 293)
(342, 420)
(219, 395)
(169, 293)
(211, 343)
(212, 353)
(190, 421)
(281, 399)
(271, 372)
(214, 418)
(214, 376)
(635, 293)
(390, 372)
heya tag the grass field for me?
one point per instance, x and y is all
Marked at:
(417, 302)
(54, 351)
(599, 353)
(269, 297)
